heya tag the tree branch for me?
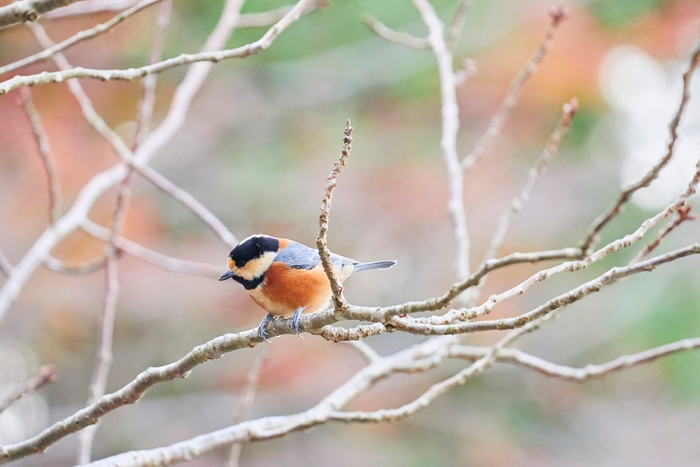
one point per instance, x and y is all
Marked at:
(28, 10)
(321, 241)
(77, 37)
(385, 32)
(184, 59)
(45, 153)
(47, 374)
(557, 15)
(615, 208)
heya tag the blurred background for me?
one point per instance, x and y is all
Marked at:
(257, 145)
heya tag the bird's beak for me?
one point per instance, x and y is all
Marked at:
(226, 275)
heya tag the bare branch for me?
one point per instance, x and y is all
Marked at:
(148, 99)
(367, 352)
(682, 215)
(78, 37)
(246, 401)
(537, 170)
(201, 211)
(104, 353)
(424, 326)
(151, 256)
(321, 240)
(457, 25)
(28, 10)
(557, 15)
(184, 59)
(47, 374)
(385, 32)
(45, 153)
(87, 267)
(448, 142)
(615, 208)
(590, 371)
(5, 265)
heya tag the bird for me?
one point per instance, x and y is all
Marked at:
(286, 278)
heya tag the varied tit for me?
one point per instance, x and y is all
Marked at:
(287, 278)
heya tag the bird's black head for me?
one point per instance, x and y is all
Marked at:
(250, 259)
(252, 248)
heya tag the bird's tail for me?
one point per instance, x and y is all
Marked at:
(374, 265)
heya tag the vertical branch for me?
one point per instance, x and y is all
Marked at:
(321, 240)
(246, 401)
(45, 152)
(149, 82)
(104, 355)
(557, 15)
(450, 126)
(457, 25)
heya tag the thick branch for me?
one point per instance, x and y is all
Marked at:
(448, 142)
(28, 10)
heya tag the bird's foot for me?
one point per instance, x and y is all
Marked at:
(295, 320)
(263, 325)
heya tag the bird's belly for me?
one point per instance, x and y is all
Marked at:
(284, 290)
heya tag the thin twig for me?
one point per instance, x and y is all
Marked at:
(5, 266)
(28, 10)
(197, 208)
(321, 240)
(77, 37)
(557, 15)
(151, 256)
(184, 59)
(368, 353)
(682, 215)
(246, 401)
(87, 267)
(448, 141)
(615, 208)
(148, 98)
(47, 374)
(587, 372)
(533, 174)
(385, 32)
(457, 25)
(45, 153)
(104, 359)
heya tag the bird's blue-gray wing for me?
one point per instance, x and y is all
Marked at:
(299, 256)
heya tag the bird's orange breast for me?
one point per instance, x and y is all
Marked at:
(285, 289)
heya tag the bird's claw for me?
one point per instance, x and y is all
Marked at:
(295, 321)
(262, 326)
